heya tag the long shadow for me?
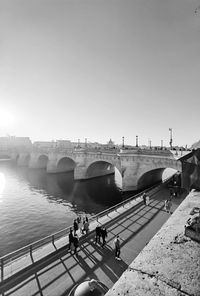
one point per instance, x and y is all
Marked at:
(37, 266)
(108, 266)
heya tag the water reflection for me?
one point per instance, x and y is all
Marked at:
(63, 188)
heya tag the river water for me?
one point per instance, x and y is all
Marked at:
(34, 204)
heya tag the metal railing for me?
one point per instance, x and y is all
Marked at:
(28, 249)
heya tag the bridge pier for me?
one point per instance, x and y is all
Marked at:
(52, 163)
(33, 163)
(80, 172)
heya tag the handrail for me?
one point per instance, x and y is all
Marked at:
(51, 238)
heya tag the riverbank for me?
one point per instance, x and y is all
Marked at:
(169, 264)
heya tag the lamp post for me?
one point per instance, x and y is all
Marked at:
(170, 140)
(149, 143)
(136, 141)
(122, 142)
(85, 142)
(78, 143)
(161, 144)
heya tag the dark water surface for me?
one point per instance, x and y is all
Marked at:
(34, 204)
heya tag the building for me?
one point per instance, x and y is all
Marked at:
(12, 142)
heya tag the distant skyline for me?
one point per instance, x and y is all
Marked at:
(99, 69)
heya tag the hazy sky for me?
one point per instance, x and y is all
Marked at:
(101, 69)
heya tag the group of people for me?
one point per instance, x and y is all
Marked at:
(100, 232)
(85, 225)
(73, 236)
(167, 206)
(100, 236)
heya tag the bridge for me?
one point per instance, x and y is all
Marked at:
(139, 168)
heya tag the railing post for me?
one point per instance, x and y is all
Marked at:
(31, 250)
(52, 239)
(2, 270)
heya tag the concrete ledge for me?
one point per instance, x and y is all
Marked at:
(169, 264)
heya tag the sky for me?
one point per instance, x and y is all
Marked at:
(100, 69)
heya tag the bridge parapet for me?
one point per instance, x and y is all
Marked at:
(146, 152)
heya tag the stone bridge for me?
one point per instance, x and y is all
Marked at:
(138, 168)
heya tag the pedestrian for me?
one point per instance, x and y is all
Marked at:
(144, 196)
(104, 234)
(79, 219)
(83, 227)
(75, 226)
(117, 247)
(98, 233)
(86, 219)
(147, 200)
(168, 205)
(76, 243)
(86, 227)
(71, 239)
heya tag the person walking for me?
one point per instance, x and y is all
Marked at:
(76, 243)
(71, 239)
(147, 200)
(98, 233)
(168, 205)
(104, 234)
(144, 196)
(85, 227)
(117, 247)
(75, 226)
(78, 219)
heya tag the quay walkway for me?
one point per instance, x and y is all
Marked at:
(48, 268)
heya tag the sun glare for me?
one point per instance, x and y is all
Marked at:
(6, 118)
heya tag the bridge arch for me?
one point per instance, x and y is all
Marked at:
(151, 175)
(65, 164)
(150, 178)
(101, 167)
(42, 161)
(144, 172)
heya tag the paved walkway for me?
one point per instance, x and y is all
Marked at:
(57, 273)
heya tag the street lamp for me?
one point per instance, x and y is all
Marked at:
(161, 144)
(136, 141)
(122, 142)
(149, 143)
(170, 140)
